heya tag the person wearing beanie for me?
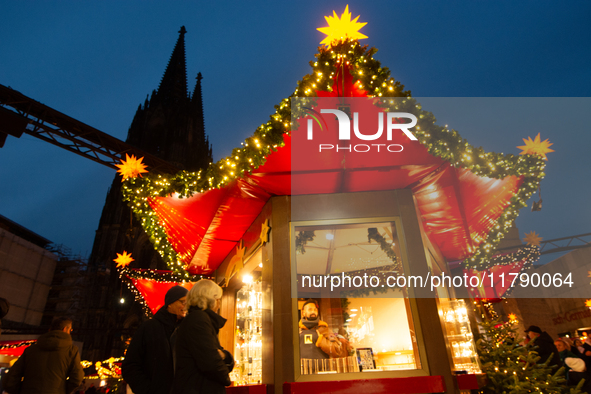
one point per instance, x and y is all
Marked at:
(542, 343)
(316, 339)
(148, 366)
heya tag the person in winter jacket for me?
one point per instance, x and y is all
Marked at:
(543, 344)
(317, 341)
(50, 366)
(148, 365)
(202, 365)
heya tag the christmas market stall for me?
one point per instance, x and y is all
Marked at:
(299, 206)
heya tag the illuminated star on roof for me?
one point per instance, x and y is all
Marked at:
(340, 28)
(536, 147)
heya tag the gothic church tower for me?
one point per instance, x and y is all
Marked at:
(169, 125)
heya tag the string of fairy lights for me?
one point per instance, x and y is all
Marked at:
(128, 274)
(367, 76)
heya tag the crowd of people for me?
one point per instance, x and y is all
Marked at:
(572, 354)
(177, 351)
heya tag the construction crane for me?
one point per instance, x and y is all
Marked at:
(21, 114)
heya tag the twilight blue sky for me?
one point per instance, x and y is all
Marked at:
(97, 61)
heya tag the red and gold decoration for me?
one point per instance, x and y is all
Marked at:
(15, 348)
(110, 368)
(536, 147)
(467, 198)
(131, 167)
(150, 286)
(123, 260)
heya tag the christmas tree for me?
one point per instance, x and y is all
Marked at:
(514, 368)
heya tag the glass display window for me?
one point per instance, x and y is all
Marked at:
(352, 328)
(459, 335)
(248, 330)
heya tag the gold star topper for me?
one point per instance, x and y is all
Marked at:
(588, 303)
(123, 260)
(340, 28)
(536, 147)
(265, 229)
(131, 167)
(532, 238)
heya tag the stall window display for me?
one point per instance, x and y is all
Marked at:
(352, 329)
(248, 334)
(459, 336)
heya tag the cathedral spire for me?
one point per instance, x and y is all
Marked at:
(197, 101)
(173, 87)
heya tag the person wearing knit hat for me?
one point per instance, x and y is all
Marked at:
(317, 341)
(148, 366)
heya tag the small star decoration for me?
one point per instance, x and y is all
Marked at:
(131, 167)
(532, 238)
(265, 229)
(536, 147)
(588, 303)
(512, 317)
(123, 260)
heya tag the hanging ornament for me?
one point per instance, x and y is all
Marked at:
(123, 260)
(131, 167)
(340, 28)
(532, 238)
(536, 147)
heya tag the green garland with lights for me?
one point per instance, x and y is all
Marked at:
(368, 74)
(127, 274)
(302, 240)
(374, 235)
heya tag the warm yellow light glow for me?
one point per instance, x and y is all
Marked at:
(131, 167)
(123, 260)
(536, 147)
(340, 28)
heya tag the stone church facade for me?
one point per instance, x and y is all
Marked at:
(169, 125)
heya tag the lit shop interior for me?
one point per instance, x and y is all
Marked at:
(387, 335)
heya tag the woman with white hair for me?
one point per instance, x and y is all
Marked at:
(202, 365)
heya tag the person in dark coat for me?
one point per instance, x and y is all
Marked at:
(50, 366)
(202, 365)
(148, 364)
(543, 344)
